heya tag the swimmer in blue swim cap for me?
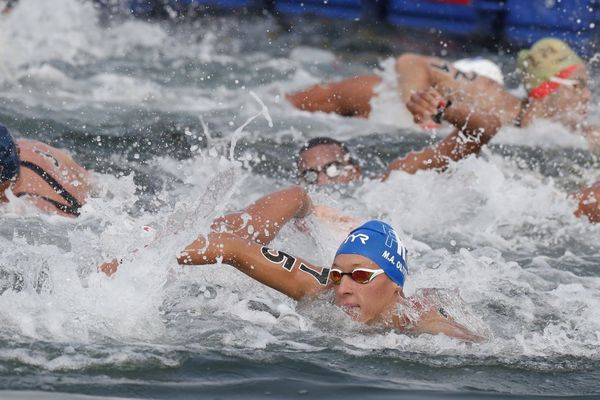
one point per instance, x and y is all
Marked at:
(46, 177)
(369, 251)
(9, 159)
(367, 275)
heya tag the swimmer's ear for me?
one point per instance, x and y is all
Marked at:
(400, 292)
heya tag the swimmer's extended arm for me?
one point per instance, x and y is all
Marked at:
(233, 243)
(350, 97)
(259, 222)
(473, 131)
(285, 273)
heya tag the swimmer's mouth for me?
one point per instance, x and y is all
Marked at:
(351, 309)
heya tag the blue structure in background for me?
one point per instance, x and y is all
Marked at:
(519, 22)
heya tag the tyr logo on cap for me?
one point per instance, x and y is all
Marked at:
(360, 236)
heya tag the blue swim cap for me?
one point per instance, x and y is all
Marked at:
(9, 159)
(378, 242)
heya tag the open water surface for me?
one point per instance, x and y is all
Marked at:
(155, 110)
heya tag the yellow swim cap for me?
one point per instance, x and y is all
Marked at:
(546, 58)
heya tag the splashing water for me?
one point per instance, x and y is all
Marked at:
(153, 108)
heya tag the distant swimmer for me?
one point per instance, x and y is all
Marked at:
(553, 75)
(556, 80)
(427, 102)
(43, 175)
(367, 276)
(353, 97)
(323, 160)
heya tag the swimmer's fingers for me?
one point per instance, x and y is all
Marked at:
(422, 105)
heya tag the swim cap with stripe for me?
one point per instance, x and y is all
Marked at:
(546, 58)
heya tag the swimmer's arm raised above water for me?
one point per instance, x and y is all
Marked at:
(236, 245)
(474, 129)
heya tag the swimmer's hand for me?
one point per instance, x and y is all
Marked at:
(109, 267)
(425, 106)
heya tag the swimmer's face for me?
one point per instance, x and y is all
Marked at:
(370, 302)
(569, 103)
(327, 164)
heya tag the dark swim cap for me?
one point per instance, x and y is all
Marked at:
(378, 242)
(9, 159)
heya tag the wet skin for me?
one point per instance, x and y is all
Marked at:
(366, 303)
(568, 104)
(319, 156)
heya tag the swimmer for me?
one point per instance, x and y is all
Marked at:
(352, 97)
(427, 102)
(553, 75)
(556, 82)
(45, 176)
(323, 161)
(367, 275)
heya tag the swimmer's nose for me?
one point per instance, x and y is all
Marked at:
(346, 285)
(323, 179)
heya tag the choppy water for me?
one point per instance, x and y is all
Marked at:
(153, 108)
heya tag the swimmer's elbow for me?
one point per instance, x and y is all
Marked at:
(409, 60)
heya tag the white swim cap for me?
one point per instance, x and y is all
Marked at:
(482, 67)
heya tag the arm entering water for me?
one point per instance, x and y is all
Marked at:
(239, 240)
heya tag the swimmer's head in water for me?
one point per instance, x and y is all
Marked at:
(323, 161)
(546, 59)
(482, 67)
(9, 158)
(378, 242)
